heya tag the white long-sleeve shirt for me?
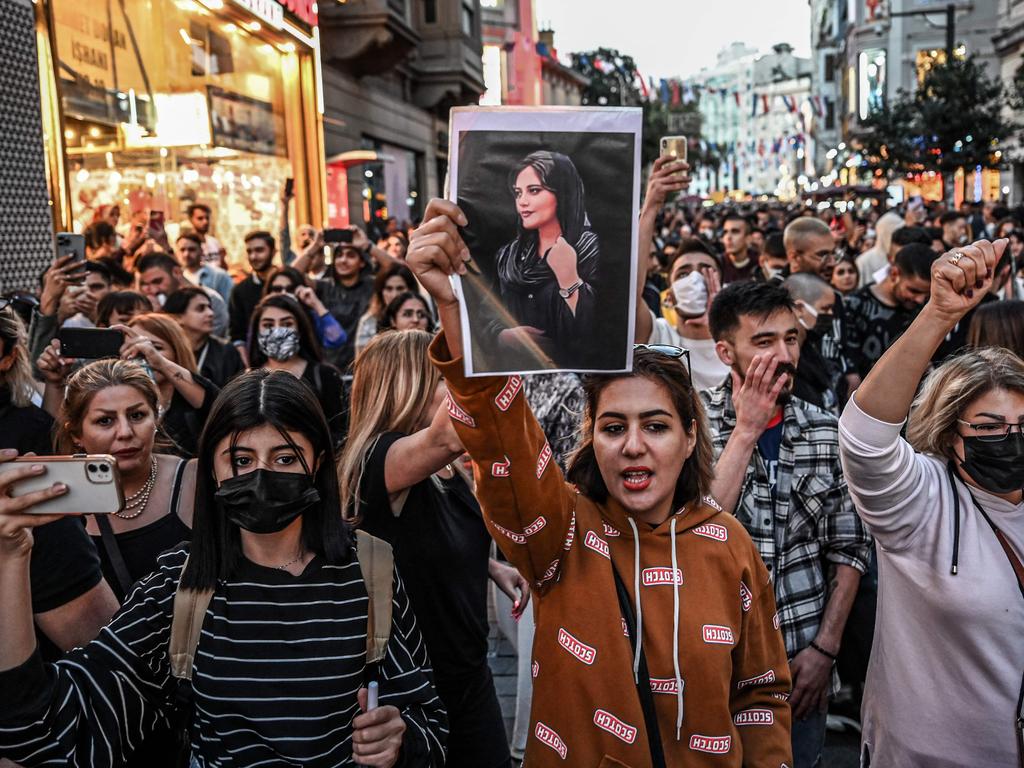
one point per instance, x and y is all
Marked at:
(945, 670)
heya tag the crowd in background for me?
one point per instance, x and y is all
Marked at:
(782, 310)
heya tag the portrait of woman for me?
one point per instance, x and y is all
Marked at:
(546, 275)
(549, 199)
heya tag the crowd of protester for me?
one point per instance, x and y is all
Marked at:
(808, 490)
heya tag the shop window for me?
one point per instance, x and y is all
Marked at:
(830, 68)
(830, 115)
(468, 26)
(430, 11)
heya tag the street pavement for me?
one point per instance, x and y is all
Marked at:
(840, 750)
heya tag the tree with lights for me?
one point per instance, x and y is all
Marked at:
(954, 120)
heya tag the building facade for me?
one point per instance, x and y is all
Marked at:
(883, 52)
(754, 109)
(1009, 46)
(391, 72)
(149, 107)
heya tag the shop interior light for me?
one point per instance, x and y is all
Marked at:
(69, 134)
(82, 176)
(253, 26)
(184, 36)
(94, 132)
(230, 28)
(213, 5)
(287, 47)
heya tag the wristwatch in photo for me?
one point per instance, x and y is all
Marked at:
(565, 293)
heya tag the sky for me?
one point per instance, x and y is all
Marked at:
(675, 38)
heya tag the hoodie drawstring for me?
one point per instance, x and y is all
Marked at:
(675, 631)
(639, 608)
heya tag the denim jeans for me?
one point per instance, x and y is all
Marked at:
(809, 740)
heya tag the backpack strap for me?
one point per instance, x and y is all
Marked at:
(186, 623)
(377, 562)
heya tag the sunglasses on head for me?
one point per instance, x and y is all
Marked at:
(668, 350)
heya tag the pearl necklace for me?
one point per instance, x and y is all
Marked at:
(138, 500)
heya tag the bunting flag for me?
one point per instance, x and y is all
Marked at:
(764, 100)
(753, 105)
(817, 105)
(664, 91)
(643, 86)
(675, 93)
(736, 95)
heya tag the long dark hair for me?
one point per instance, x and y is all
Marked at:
(309, 347)
(695, 480)
(396, 269)
(559, 176)
(295, 277)
(249, 401)
(391, 311)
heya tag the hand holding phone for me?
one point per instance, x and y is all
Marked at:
(674, 147)
(90, 343)
(92, 485)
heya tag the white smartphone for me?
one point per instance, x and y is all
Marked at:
(94, 484)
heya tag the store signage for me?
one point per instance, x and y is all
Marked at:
(269, 11)
(304, 10)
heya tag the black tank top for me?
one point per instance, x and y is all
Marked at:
(139, 548)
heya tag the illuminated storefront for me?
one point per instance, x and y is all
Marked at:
(155, 104)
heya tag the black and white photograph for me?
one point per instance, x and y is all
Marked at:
(551, 197)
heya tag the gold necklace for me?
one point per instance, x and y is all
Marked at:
(138, 500)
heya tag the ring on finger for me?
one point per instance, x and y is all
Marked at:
(955, 258)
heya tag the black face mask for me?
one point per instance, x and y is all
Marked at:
(996, 467)
(263, 501)
(822, 325)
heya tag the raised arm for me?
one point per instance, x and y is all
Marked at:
(527, 505)
(667, 176)
(960, 279)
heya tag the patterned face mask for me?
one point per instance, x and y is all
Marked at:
(279, 343)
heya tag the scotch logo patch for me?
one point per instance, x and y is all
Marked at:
(654, 577)
(664, 685)
(501, 468)
(456, 412)
(518, 538)
(710, 501)
(581, 651)
(625, 628)
(746, 597)
(754, 717)
(712, 531)
(535, 526)
(717, 635)
(508, 393)
(571, 536)
(775, 621)
(764, 679)
(536, 669)
(714, 745)
(606, 721)
(550, 572)
(543, 460)
(596, 543)
(546, 736)
(609, 531)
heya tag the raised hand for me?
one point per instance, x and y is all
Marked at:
(55, 369)
(961, 278)
(16, 518)
(668, 175)
(437, 251)
(561, 257)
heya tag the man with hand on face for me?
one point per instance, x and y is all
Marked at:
(879, 313)
(160, 275)
(778, 468)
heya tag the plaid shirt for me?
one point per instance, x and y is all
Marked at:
(812, 521)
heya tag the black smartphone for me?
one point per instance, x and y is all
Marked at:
(337, 235)
(289, 187)
(90, 343)
(70, 244)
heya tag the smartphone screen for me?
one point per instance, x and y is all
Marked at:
(90, 343)
(289, 187)
(337, 235)
(156, 221)
(68, 243)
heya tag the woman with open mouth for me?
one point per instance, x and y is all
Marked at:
(652, 605)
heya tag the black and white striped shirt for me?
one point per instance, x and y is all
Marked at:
(279, 663)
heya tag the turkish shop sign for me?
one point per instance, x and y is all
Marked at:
(273, 12)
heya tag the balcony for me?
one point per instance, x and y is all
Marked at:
(366, 37)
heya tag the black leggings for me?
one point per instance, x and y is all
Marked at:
(476, 730)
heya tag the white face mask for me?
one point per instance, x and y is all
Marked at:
(691, 294)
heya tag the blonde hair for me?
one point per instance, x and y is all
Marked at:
(952, 387)
(168, 331)
(17, 378)
(393, 384)
(82, 387)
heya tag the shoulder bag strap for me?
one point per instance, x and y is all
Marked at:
(376, 561)
(186, 623)
(643, 684)
(179, 474)
(110, 546)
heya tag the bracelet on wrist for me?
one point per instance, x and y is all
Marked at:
(833, 657)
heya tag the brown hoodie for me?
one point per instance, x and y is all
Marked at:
(705, 614)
